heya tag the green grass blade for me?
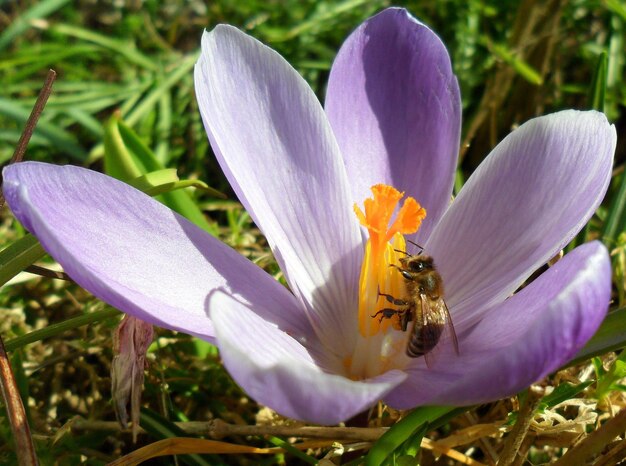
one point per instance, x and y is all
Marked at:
(616, 215)
(294, 451)
(523, 69)
(597, 91)
(38, 11)
(85, 120)
(459, 181)
(124, 48)
(323, 18)
(152, 98)
(56, 136)
(163, 128)
(136, 108)
(53, 330)
(43, 56)
(19, 255)
(391, 440)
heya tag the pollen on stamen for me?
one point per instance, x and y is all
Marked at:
(385, 238)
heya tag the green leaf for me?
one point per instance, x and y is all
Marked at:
(152, 180)
(19, 255)
(414, 443)
(561, 393)
(608, 381)
(166, 180)
(391, 440)
(118, 161)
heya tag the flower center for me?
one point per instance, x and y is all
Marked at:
(381, 340)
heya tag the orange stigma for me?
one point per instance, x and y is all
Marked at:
(385, 240)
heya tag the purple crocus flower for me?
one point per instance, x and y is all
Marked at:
(391, 119)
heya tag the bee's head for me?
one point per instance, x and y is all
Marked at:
(419, 263)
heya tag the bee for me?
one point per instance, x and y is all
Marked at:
(424, 306)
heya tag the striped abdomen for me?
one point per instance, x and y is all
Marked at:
(424, 337)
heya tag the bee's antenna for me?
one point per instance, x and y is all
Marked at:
(402, 252)
(415, 244)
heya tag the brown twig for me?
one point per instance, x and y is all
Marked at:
(485, 444)
(42, 271)
(520, 429)
(31, 123)
(523, 450)
(24, 447)
(219, 429)
(15, 409)
(595, 442)
(614, 455)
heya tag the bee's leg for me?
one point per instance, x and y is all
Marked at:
(392, 300)
(387, 313)
(405, 273)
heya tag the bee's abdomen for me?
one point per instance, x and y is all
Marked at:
(423, 339)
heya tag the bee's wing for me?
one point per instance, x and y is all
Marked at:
(437, 311)
(448, 330)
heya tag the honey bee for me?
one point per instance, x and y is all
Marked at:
(424, 306)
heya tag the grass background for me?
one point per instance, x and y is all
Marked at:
(514, 60)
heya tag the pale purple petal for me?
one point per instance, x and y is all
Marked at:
(395, 108)
(525, 202)
(522, 340)
(274, 143)
(136, 254)
(279, 372)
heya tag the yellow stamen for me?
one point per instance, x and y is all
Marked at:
(380, 253)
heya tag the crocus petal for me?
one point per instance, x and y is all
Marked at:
(274, 143)
(525, 202)
(395, 107)
(522, 340)
(136, 254)
(279, 372)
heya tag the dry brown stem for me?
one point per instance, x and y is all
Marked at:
(15, 412)
(520, 429)
(595, 442)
